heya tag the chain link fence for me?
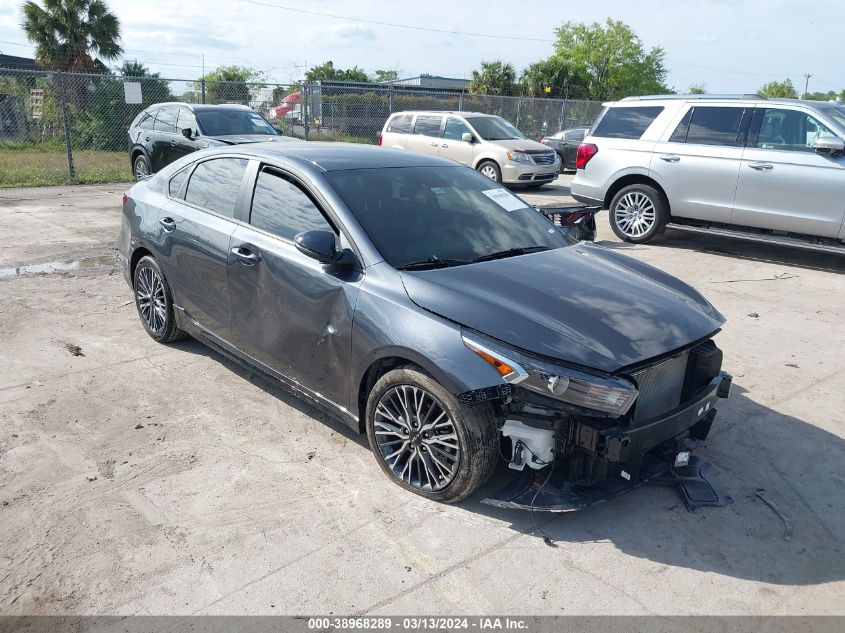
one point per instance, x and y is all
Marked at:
(64, 128)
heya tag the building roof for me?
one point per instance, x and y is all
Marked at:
(12, 61)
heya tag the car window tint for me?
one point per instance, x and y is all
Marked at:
(575, 135)
(186, 120)
(214, 185)
(455, 129)
(715, 125)
(280, 207)
(625, 122)
(146, 122)
(166, 120)
(680, 133)
(789, 131)
(428, 125)
(400, 124)
(176, 181)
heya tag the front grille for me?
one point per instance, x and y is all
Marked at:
(660, 387)
(543, 158)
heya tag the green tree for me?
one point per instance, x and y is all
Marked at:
(698, 89)
(612, 59)
(72, 34)
(560, 77)
(327, 71)
(104, 121)
(778, 90)
(385, 75)
(230, 84)
(493, 78)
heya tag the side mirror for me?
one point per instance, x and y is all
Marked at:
(322, 246)
(188, 133)
(466, 137)
(829, 146)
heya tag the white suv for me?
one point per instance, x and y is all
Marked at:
(485, 142)
(770, 170)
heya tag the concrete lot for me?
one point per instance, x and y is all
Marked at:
(137, 478)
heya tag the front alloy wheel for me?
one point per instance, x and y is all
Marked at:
(416, 438)
(426, 440)
(491, 170)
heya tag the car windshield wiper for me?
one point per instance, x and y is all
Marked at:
(431, 262)
(511, 252)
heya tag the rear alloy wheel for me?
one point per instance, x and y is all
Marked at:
(425, 440)
(491, 170)
(154, 302)
(638, 214)
(141, 167)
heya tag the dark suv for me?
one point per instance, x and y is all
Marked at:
(167, 131)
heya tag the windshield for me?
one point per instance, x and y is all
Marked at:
(494, 128)
(224, 122)
(835, 112)
(429, 217)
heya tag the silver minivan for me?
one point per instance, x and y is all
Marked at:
(484, 142)
(744, 166)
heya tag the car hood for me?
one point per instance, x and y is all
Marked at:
(237, 139)
(583, 304)
(523, 144)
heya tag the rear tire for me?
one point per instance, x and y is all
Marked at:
(638, 213)
(141, 166)
(490, 169)
(446, 462)
(154, 302)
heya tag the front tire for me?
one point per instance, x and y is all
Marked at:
(154, 302)
(425, 440)
(490, 169)
(638, 214)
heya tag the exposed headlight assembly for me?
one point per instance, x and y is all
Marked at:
(609, 395)
(519, 157)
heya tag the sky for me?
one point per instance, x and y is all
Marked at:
(730, 46)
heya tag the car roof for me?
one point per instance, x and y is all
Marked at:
(739, 99)
(331, 156)
(436, 112)
(201, 107)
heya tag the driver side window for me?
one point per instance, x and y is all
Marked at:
(454, 129)
(789, 131)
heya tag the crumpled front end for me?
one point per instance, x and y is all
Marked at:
(569, 456)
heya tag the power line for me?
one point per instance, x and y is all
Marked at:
(395, 25)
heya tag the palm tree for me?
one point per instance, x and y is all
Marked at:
(68, 34)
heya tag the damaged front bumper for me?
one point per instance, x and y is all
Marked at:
(596, 462)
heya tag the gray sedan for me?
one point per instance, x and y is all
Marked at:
(432, 309)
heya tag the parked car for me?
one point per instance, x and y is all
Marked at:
(743, 166)
(487, 143)
(566, 143)
(165, 132)
(429, 308)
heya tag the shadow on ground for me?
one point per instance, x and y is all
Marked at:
(798, 465)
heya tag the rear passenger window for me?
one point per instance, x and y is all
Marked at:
(624, 122)
(215, 184)
(400, 124)
(714, 125)
(146, 122)
(175, 183)
(166, 120)
(428, 125)
(283, 209)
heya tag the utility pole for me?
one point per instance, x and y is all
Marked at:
(806, 83)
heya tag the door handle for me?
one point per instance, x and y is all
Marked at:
(173, 141)
(444, 145)
(246, 256)
(670, 158)
(146, 138)
(168, 224)
(761, 166)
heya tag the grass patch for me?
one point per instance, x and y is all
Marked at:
(28, 165)
(340, 138)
